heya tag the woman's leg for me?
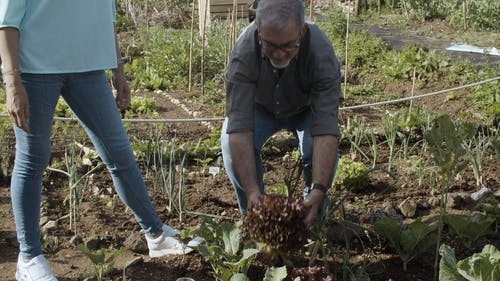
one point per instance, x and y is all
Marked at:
(89, 96)
(32, 157)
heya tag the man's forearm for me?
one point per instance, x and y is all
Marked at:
(243, 158)
(324, 157)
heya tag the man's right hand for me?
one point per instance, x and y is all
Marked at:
(17, 101)
(253, 198)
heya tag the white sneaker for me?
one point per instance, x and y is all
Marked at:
(172, 232)
(197, 241)
(165, 244)
(37, 269)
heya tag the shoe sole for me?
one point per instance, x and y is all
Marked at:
(161, 253)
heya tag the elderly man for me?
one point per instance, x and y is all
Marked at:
(282, 74)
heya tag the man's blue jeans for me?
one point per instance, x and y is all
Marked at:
(90, 98)
(266, 125)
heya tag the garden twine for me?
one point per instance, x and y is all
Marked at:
(183, 120)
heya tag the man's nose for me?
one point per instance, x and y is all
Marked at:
(279, 54)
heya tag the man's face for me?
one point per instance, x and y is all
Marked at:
(280, 45)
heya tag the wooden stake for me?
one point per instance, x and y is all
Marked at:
(465, 14)
(311, 5)
(191, 49)
(347, 49)
(412, 90)
(203, 49)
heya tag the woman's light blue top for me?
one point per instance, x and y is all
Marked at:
(62, 36)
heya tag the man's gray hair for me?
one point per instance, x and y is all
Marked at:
(278, 13)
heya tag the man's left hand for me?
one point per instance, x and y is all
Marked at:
(313, 203)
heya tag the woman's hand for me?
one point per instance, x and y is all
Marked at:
(17, 101)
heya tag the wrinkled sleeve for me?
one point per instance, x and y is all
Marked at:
(12, 13)
(241, 83)
(326, 90)
(240, 93)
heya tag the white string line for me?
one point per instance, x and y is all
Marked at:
(342, 108)
(421, 96)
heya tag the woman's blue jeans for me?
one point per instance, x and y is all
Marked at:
(266, 125)
(90, 98)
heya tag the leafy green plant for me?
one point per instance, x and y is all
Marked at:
(373, 143)
(275, 274)
(408, 243)
(223, 250)
(51, 244)
(72, 161)
(356, 131)
(323, 230)
(102, 259)
(364, 52)
(391, 134)
(482, 266)
(491, 208)
(165, 60)
(428, 65)
(351, 175)
(141, 106)
(445, 140)
(486, 98)
(480, 14)
(468, 229)
(477, 147)
(364, 93)
(277, 221)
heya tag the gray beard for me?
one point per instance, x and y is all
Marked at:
(279, 66)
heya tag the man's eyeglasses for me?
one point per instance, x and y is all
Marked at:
(287, 48)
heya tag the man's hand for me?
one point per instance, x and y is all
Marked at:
(313, 203)
(253, 198)
(121, 90)
(17, 101)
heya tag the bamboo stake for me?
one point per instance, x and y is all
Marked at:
(233, 25)
(311, 3)
(191, 50)
(235, 8)
(347, 49)
(412, 91)
(465, 14)
(203, 50)
(227, 38)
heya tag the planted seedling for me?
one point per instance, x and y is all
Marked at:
(222, 249)
(102, 259)
(468, 230)
(483, 266)
(351, 175)
(409, 242)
